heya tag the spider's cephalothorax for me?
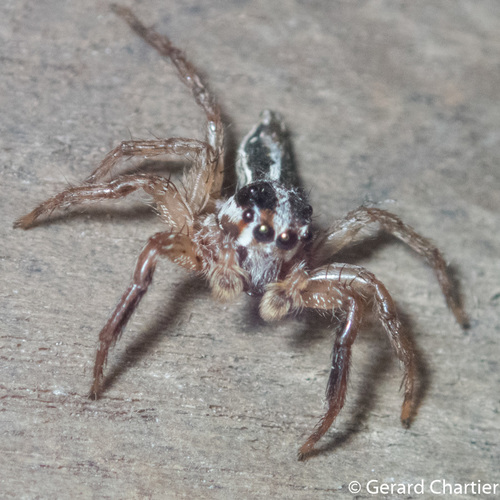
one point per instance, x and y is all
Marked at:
(270, 225)
(258, 240)
(268, 217)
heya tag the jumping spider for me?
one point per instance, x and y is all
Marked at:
(258, 241)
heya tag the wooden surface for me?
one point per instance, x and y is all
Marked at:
(394, 103)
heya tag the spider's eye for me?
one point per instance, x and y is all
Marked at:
(308, 236)
(264, 233)
(248, 215)
(286, 240)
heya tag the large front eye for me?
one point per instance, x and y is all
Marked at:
(263, 233)
(286, 240)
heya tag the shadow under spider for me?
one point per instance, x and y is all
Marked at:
(148, 339)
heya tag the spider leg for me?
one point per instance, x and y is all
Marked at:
(179, 249)
(348, 288)
(339, 372)
(173, 208)
(187, 72)
(178, 146)
(192, 79)
(345, 231)
(198, 182)
(201, 184)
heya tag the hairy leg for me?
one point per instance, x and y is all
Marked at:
(360, 281)
(175, 246)
(348, 288)
(197, 184)
(158, 187)
(192, 79)
(201, 184)
(187, 72)
(177, 146)
(339, 372)
(345, 231)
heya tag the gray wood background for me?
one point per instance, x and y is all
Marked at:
(390, 102)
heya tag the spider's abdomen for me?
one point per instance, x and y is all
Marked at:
(266, 153)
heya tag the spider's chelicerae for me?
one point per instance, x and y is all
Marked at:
(258, 241)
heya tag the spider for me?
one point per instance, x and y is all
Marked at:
(259, 241)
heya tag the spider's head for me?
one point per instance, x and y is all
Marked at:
(268, 218)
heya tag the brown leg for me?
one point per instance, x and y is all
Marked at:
(337, 382)
(345, 287)
(365, 284)
(346, 230)
(171, 204)
(177, 146)
(201, 93)
(187, 72)
(173, 245)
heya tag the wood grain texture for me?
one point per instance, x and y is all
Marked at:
(392, 102)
